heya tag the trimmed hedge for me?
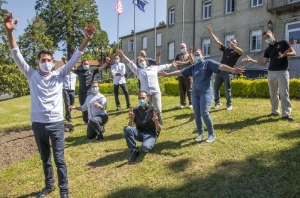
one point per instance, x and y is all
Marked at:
(244, 88)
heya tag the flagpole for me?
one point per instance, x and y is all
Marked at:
(182, 34)
(154, 29)
(134, 36)
(118, 32)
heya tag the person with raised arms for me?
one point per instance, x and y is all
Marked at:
(202, 90)
(46, 105)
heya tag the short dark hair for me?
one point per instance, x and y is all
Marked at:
(45, 51)
(143, 92)
(83, 62)
(93, 82)
(266, 32)
(235, 39)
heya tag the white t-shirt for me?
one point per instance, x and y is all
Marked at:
(89, 105)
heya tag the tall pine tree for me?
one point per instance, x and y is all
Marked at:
(66, 19)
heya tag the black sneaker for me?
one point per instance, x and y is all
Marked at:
(273, 115)
(289, 118)
(45, 192)
(118, 108)
(99, 137)
(64, 196)
(134, 154)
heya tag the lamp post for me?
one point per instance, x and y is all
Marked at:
(102, 56)
(270, 25)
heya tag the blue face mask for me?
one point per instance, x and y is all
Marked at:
(183, 50)
(86, 67)
(95, 90)
(270, 40)
(198, 59)
(117, 61)
(143, 64)
(142, 102)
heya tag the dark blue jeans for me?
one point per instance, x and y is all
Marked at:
(126, 94)
(225, 77)
(43, 132)
(82, 97)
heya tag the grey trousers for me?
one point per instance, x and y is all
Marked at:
(278, 82)
(155, 100)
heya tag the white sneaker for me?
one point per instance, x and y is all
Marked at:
(190, 106)
(218, 105)
(229, 108)
(181, 107)
(199, 138)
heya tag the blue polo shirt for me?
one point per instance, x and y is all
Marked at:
(202, 73)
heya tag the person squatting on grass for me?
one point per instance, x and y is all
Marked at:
(202, 91)
(96, 104)
(148, 76)
(278, 74)
(148, 126)
(85, 77)
(46, 105)
(69, 84)
(118, 72)
(231, 54)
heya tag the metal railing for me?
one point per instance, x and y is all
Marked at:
(278, 3)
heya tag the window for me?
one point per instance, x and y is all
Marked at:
(144, 42)
(206, 9)
(206, 47)
(158, 39)
(292, 35)
(255, 40)
(172, 16)
(228, 38)
(229, 6)
(131, 46)
(255, 3)
(171, 51)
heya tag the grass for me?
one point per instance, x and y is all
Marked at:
(252, 156)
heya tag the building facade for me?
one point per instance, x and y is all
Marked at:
(245, 20)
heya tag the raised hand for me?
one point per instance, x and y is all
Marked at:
(107, 60)
(131, 114)
(120, 52)
(9, 24)
(239, 70)
(89, 31)
(158, 53)
(209, 28)
(154, 118)
(64, 60)
(191, 50)
(247, 59)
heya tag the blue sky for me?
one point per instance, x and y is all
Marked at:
(24, 10)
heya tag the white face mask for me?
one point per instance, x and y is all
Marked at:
(86, 67)
(46, 67)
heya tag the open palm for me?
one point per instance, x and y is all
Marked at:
(89, 31)
(10, 25)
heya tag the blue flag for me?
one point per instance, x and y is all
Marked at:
(140, 4)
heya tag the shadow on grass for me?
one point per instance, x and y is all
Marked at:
(273, 174)
(33, 194)
(179, 117)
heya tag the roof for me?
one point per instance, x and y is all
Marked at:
(143, 31)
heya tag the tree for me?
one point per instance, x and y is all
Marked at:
(66, 19)
(34, 40)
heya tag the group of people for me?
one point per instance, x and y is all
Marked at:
(195, 80)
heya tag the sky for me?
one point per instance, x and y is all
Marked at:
(24, 10)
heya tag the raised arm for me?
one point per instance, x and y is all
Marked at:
(236, 48)
(107, 63)
(236, 70)
(10, 25)
(130, 64)
(174, 73)
(120, 52)
(262, 63)
(158, 55)
(213, 37)
(191, 57)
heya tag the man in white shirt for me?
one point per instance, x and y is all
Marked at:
(69, 91)
(118, 71)
(46, 105)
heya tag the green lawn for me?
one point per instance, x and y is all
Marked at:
(252, 156)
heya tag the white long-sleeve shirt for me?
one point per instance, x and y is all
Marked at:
(45, 92)
(118, 68)
(89, 105)
(70, 81)
(148, 77)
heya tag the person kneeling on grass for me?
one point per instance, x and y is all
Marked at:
(202, 91)
(148, 126)
(96, 105)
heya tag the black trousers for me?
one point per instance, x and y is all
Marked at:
(96, 126)
(69, 99)
(185, 88)
(125, 91)
(82, 97)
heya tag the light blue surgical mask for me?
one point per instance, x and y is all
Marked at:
(95, 90)
(270, 40)
(142, 102)
(198, 59)
(117, 61)
(183, 50)
(143, 64)
(86, 67)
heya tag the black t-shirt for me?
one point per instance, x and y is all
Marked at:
(151, 61)
(272, 52)
(230, 56)
(85, 78)
(143, 119)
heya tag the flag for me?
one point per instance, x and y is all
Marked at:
(119, 7)
(140, 4)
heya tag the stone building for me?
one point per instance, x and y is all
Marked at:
(244, 20)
